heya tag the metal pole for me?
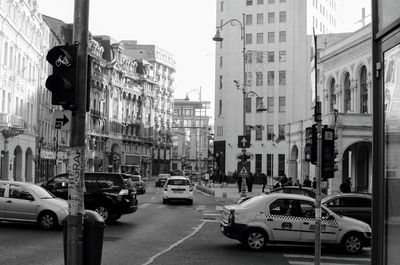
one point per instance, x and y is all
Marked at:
(244, 185)
(78, 125)
(317, 118)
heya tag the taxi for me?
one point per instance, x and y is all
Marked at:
(178, 188)
(290, 218)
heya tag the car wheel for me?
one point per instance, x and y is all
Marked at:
(352, 243)
(104, 212)
(255, 239)
(115, 217)
(48, 220)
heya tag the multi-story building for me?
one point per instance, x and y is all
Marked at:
(164, 68)
(191, 136)
(21, 41)
(277, 68)
(345, 91)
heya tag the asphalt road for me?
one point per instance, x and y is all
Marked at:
(160, 234)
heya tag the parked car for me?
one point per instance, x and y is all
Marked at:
(137, 181)
(161, 179)
(106, 193)
(178, 188)
(27, 202)
(355, 205)
(310, 192)
(290, 218)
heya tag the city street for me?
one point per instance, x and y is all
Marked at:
(162, 234)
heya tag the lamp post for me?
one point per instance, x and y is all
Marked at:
(218, 38)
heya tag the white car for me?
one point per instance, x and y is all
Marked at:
(178, 188)
(290, 218)
(27, 202)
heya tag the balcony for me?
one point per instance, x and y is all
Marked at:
(10, 120)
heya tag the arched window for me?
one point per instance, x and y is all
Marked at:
(332, 99)
(347, 94)
(363, 90)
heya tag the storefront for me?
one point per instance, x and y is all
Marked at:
(386, 136)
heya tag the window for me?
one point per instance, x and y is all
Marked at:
(282, 56)
(282, 16)
(282, 36)
(271, 57)
(249, 78)
(281, 164)
(282, 104)
(271, 77)
(249, 2)
(271, 1)
(271, 17)
(347, 94)
(5, 53)
(260, 19)
(259, 57)
(270, 132)
(270, 104)
(2, 189)
(260, 38)
(260, 2)
(282, 77)
(248, 105)
(271, 37)
(363, 91)
(258, 163)
(287, 207)
(270, 164)
(249, 38)
(258, 133)
(259, 100)
(17, 192)
(259, 78)
(222, 6)
(220, 82)
(249, 19)
(332, 100)
(281, 129)
(282, 1)
(249, 57)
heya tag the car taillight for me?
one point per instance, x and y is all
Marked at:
(124, 192)
(231, 218)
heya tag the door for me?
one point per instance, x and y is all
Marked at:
(283, 220)
(20, 204)
(58, 186)
(2, 200)
(354, 207)
(329, 227)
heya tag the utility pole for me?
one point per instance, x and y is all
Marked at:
(77, 143)
(318, 120)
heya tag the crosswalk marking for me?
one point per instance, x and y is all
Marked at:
(326, 257)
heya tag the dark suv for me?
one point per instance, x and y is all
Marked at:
(106, 193)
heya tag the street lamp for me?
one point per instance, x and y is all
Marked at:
(218, 38)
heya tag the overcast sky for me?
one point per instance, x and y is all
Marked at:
(181, 27)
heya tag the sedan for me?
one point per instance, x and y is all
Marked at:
(161, 179)
(138, 183)
(27, 202)
(355, 205)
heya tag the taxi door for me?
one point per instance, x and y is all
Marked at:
(284, 221)
(2, 200)
(329, 227)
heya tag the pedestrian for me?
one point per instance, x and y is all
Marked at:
(290, 182)
(284, 180)
(345, 187)
(249, 181)
(264, 181)
(238, 180)
(307, 182)
(297, 183)
(314, 183)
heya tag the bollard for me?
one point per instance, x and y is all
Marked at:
(224, 194)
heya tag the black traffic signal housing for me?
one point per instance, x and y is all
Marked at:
(310, 148)
(244, 158)
(329, 153)
(63, 82)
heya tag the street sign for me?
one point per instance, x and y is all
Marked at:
(62, 120)
(244, 141)
(243, 170)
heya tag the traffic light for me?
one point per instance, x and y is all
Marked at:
(63, 82)
(244, 158)
(310, 148)
(329, 153)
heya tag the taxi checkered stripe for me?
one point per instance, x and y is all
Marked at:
(289, 217)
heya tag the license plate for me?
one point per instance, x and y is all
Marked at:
(178, 191)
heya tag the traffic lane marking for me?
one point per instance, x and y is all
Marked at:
(326, 257)
(196, 229)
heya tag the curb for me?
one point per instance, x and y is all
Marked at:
(211, 193)
(205, 190)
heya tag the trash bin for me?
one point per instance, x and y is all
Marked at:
(93, 232)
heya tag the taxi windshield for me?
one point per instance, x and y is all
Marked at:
(251, 201)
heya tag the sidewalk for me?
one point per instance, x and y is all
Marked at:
(227, 193)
